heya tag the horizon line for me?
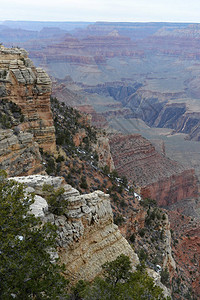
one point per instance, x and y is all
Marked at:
(100, 21)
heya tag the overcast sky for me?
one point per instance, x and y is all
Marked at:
(101, 10)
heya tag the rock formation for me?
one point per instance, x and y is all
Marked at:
(157, 176)
(87, 236)
(102, 147)
(19, 154)
(30, 89)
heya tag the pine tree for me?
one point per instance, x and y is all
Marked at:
(26, 267)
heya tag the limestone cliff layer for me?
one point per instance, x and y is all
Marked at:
(30, 89)
(87, 236)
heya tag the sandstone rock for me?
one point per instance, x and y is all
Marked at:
(19, 154)
(87, 237)
(102, 148)
(30, 89)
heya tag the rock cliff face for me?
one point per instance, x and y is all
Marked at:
(157, 176)
(87, 236)
(90, 50)
(29, 88)
(19, 154)
(102, 147)
(157, 110)
(186, 249)
(97, 119)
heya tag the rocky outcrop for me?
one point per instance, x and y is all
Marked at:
(102, 147)
(97, 119)
(19, 154)
(87, 236)
(30, 89)
(157, 176)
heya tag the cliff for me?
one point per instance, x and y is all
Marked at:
(30, 89)
(186, 251)
(87, 236)
(19, 154)
(157, 176)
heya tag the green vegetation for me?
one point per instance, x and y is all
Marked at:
(68, 122)
(10, 114)
(147, 202)
(165, 277)
(118, 219)
(119, 282)
(132, 238)
(56, 202)
(154, 216)
(143, 255)
(83, 183)
(26, 267)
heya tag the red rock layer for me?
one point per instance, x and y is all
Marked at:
(186, 248)
(157, 176)
(97, 119)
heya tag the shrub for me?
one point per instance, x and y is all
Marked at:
(165, 277)
(132, 238)
(118, 219)
(27, 270)
(141, 232)
(57, 203)
(83, 183)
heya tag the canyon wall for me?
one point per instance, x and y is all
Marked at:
(30, 89)
(87, 236)
(19, 154)
(158, 177)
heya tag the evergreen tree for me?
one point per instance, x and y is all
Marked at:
(119, 283)
(26, 267)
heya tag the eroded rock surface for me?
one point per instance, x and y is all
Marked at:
(30, 89)
(87, 236)
(158, 177)
(19, 154)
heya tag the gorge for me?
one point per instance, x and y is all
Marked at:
(111, 78)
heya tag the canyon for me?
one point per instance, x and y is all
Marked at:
(123, 85)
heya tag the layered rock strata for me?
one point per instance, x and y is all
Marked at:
(158, 177)
(102, 147)
(19, 154)
(30, 89)
(87, 236)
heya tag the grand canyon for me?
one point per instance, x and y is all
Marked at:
(138, 84)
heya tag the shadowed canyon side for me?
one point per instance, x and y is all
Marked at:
(157, 176)
(30, 89)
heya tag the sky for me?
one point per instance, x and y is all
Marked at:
(101, 10)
